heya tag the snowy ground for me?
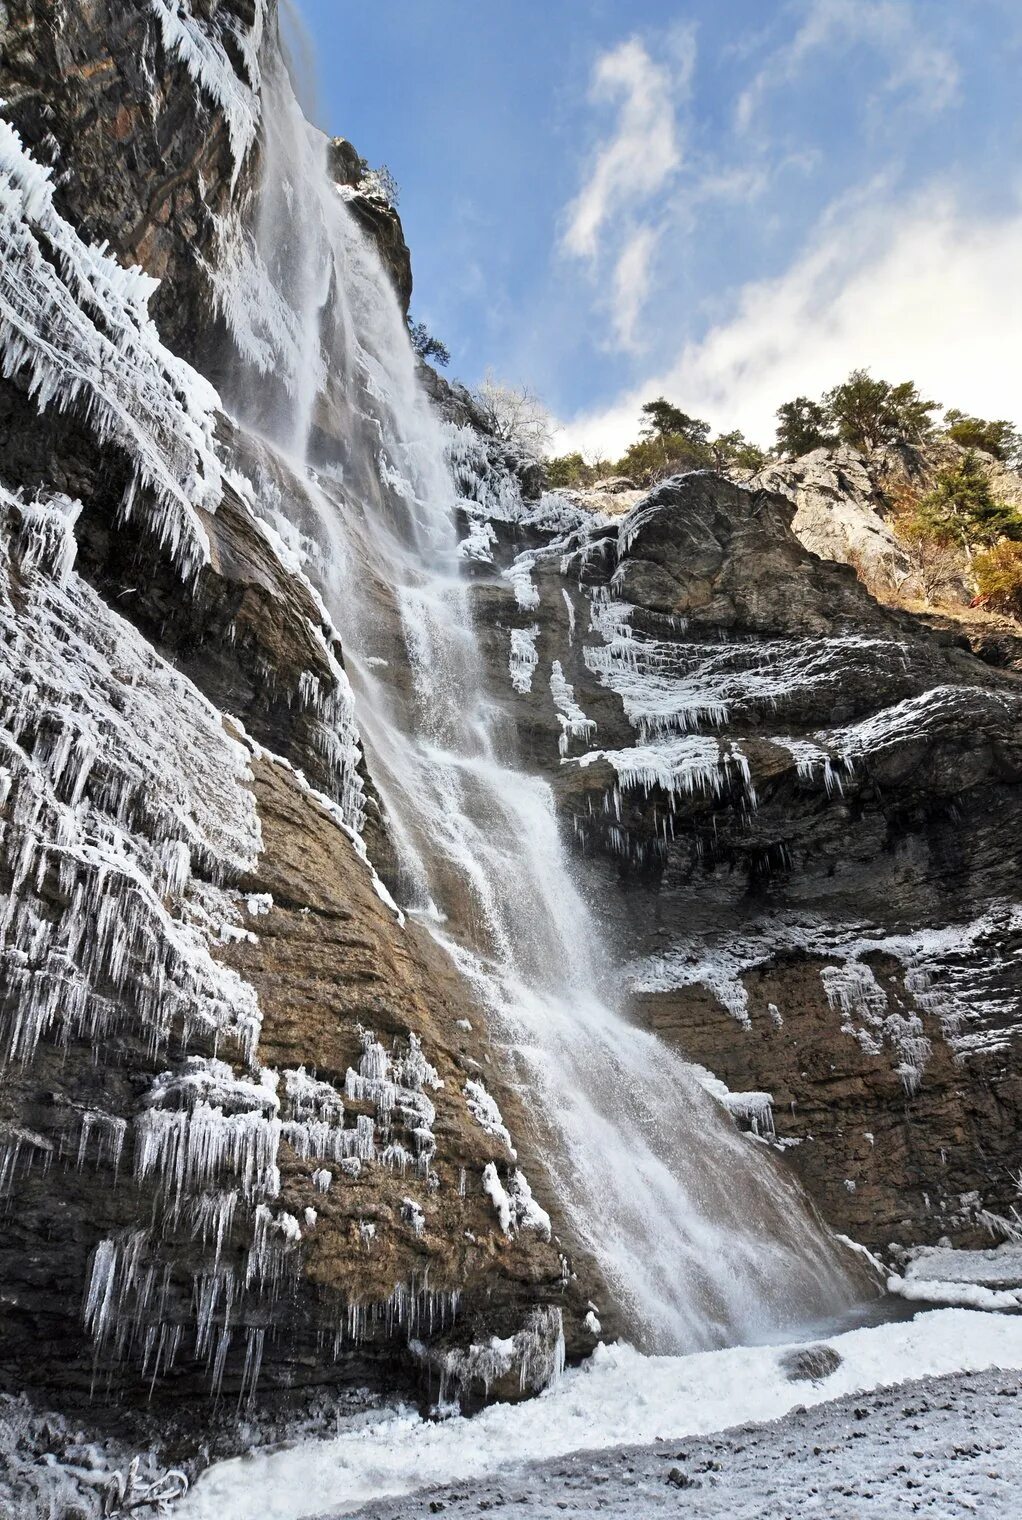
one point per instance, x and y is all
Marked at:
(944, 1447)
(622, 1398)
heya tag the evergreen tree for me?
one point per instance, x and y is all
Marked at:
(961, 509)
(801, 427)
(663, 420)
(1001, 438)
(867, 413)
(426, 346)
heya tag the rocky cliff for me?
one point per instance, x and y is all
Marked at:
(251, 1133)
(794, 807)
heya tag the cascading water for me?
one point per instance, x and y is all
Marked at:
(699, 1237)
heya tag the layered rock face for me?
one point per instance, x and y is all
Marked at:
(795, 811)
(250, 1132)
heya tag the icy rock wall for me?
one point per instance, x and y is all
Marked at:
(788, 814)
(198, 1201)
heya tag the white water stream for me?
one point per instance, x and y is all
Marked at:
(701, 1240)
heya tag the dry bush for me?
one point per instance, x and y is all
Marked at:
(997, 573)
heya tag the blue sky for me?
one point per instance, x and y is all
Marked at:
(727, 201)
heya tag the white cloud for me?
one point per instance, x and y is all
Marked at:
(923, 291)
(642, 151)
(631, 284)
(919, 69)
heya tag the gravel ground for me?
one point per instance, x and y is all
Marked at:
(942, 1447)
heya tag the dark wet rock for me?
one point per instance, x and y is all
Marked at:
(374, 214)
(810, 1364)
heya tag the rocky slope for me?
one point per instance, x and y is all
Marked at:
(250, 1137)
(794, 807)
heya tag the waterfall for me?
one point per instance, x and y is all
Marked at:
(700, 1238)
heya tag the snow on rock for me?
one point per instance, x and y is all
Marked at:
(513, 1203)
(618, 1397)
(202, 1079)
(487, 1115)
(999, 1267)
(412, 1213)
(669, 687)
(948, 970)
(971, 1295)
(910, 721)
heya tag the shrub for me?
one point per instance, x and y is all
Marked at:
(997, 574)
(569, 470)
(652, 459)
(733, 450)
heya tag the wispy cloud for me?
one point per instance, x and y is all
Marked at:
(643, 149)
(917, 67)
(912, 290)
(631, 284)
(614, 222)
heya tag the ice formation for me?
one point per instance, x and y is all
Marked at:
(118, 828)
(534, 1356)
(523, 658)
(513, 1203)
(487, 1115)
(853, 988)
(756, 1109)
(692, 765)
(202, 44)
(573, 721)
(76, 326)
(142, 842)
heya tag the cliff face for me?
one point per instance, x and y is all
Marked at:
(251, 1134)
(795, 809)
(254, 1131)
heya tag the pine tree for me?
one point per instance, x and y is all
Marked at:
(961, 509)
(801, 427)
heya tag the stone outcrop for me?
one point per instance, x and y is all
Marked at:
(847, 504)
(839, 514)
(794, 810)
(374, 213)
